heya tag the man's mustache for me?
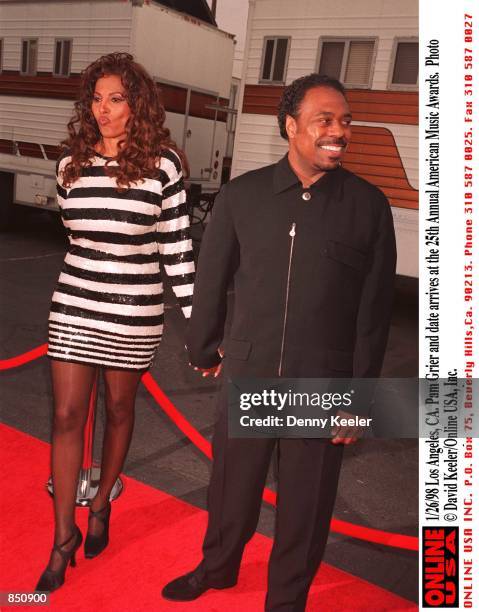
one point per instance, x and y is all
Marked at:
(338, 143)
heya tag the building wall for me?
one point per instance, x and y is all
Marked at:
(385, 134)
(306, 20)
(96, 27)
(175, 47)
(34, 119)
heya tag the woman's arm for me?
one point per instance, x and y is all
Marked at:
(61, 191)
(173, 233)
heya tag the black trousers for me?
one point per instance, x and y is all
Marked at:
(308, 474)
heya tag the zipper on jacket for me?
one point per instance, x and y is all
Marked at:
(292, 233)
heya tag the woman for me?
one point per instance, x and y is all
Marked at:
(121, 194)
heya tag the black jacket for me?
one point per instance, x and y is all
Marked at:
(313, 276)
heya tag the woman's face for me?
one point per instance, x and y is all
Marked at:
(110, 107)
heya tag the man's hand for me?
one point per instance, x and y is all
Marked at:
(215, 371)
(345, 434)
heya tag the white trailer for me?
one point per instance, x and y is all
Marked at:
(372, 46)
(44, 46)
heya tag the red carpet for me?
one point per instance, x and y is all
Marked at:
(154, 538)
(361, 532)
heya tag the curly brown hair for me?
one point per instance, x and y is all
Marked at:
(146, 134)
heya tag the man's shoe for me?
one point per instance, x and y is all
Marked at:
(188, 587)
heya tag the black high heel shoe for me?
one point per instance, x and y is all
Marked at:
(51, 580)
(94, 544)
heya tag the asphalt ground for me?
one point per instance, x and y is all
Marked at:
(379, 480)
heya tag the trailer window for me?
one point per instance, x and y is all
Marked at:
(29, 55)
(348, 60)
(275, 59)
(332, 59)
(405, 64)
(63, 53)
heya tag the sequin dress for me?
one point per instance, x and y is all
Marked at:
(107, 308)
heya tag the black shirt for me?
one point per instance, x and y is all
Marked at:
(313, 276)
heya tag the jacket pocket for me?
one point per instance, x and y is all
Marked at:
(345, 254)
(341, 361)
(238, 349)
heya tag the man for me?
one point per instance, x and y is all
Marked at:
(311, 250)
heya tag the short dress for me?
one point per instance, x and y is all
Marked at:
(107, 308)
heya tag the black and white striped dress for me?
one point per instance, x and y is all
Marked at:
(107, 308)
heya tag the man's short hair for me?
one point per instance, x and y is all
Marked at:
(294, 94)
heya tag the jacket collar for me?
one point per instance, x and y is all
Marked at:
(284, 178)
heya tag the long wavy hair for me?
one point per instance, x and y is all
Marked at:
(146, 135)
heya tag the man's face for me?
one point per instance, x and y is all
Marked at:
(319, 135)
